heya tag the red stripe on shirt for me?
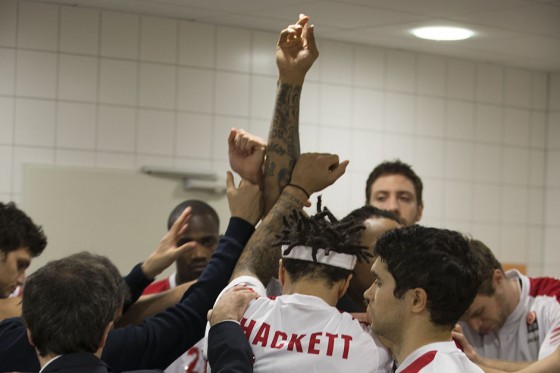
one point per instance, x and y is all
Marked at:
(544, 286)
(420, 363)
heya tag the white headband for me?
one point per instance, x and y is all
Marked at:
(333, 258)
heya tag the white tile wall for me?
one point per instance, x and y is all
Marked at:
(336, 106)
(461, 79)
(38, 26)
(156, 132)
(195, 91)
(8, 23)
(158, 40)
(431, 75)
(367, 108)
(118, 82)
(233, 47)
(79, 31)
(35, 122)
(197, 44)
(489, 83)
(157, 86)
(369, 67)
(75, 127)
(36, 74)
(6, 120)
(7, 71)
(194, 136)
(116, 129)
(120, 35)
(337, 65)
(106, 89)
(78, 78)
(401, 71)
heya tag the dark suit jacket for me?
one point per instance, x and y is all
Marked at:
(160, 339)
(82, 362)
(228, 349)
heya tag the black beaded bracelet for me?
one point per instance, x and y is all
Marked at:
(300, 188)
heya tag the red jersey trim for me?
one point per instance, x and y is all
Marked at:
(157, 287)
(544, 286)
(420, 363)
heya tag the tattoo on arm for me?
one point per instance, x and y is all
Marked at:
(260, 257)
(283, 143)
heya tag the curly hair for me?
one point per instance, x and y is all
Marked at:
(17, 230)
(320, 231)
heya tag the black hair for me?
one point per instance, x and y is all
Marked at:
(320, 231)
(366, 212)
(436, 260)
(198, 208)
(68, 303)
(17, 230)
(396, 167)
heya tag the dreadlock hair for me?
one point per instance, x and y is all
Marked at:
(320, 231)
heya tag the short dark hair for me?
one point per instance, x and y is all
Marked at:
(366, 212)
(68, 303)
(436, 260)
(17, 230)
(396, 167)
(487, 264)
(198, 208)
(320, 231)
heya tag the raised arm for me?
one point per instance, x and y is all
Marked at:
(295, 53)
(313, 172)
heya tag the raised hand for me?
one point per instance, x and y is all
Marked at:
(296, 51)
(246, 155)
(167, 251)
(316, 171)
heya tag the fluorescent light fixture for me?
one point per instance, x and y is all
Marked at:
(444, 33)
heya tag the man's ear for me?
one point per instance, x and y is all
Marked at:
(497, 278)
(418, 300)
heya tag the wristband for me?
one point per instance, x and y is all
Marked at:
(300, 188)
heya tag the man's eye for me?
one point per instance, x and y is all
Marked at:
(210, 241)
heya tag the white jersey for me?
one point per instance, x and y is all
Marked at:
(436, 358)
(302, 333)
(532, 331)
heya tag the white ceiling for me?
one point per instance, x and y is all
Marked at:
(523, 33)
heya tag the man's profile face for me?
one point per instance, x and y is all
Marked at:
(385, 311)
(396, 193)
(204, 230)
(12, 270)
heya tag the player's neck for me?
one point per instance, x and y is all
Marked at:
(418, 335)
(312, 287)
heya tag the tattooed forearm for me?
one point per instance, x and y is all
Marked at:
(260, 257)
(283, 143)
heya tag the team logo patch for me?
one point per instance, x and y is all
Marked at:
(532, 323)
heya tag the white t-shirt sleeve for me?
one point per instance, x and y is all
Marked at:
(250, 281)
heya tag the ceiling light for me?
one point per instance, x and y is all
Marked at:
(443, 33)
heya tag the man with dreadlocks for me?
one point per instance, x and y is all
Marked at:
(301, 330)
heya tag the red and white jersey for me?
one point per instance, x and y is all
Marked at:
(302, 333)
(436, 358)
(191, 361)
(532, 331)
(161, 285)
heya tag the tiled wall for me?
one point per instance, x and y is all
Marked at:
(103, 89)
